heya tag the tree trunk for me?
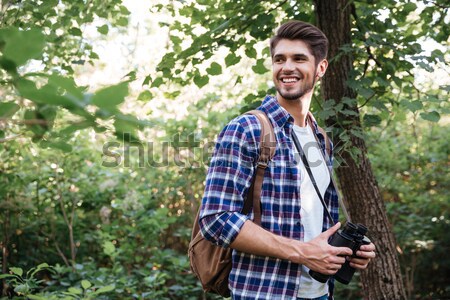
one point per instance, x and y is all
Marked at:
(382, 279)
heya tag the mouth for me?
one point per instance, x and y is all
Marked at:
(289, 79)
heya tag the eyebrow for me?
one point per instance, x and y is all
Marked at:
(302, 56)
(296, 56)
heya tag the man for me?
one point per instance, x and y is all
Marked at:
(272, 261)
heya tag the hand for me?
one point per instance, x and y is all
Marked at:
(321, 257)
(364, 255)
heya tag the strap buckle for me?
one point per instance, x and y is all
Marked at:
(262, 164)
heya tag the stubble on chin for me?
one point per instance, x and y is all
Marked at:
(294, 95)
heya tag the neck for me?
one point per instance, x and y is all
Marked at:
(298, 109)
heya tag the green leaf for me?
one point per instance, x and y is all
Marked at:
(8, 109)
(432, 116)
(259, 68)
(42, 266)
(371, 120)
(75, 290)
(358, 133)
(172, 95)
(85, 284)
(111, 96)
(20, 45)
(413, 106)
(409, 7)
(75, 31)
(37, 269)
(366, 92)
(68, 84)
(147, 80)
(108, 248)
(7, 276)
(60, 145)
(104, 289)
(46, 95)
(103, 29)
(157, 82)
(348, 112)
(131, 76)
(22, 289)
(34, 297)
(214, 69)
(250, 52)
(122, 21)
(201, 81)
(17, 271)
(66, 132)
(232, 59)
(145, 96)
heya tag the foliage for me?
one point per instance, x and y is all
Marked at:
(40, 42)
(387, 48)
(86, 216)
(411, 169)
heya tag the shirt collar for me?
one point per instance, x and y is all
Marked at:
(275, 111)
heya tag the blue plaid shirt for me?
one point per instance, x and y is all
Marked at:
(229, 178)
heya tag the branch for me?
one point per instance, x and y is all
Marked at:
(9, 138)
(61, 253)
(25, 122)
(55, 242)
(367, 101)
(369, 52)
(69, 226)
(439, 5)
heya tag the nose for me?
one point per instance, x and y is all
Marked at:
(288, 65)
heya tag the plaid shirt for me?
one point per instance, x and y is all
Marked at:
(229, 178)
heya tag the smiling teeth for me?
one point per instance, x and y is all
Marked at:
(289, 79)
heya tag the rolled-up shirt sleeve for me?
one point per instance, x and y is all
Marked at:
(228, 180)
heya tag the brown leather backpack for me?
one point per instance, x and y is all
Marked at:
(211, 263)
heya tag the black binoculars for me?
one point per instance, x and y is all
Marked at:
(351, 236)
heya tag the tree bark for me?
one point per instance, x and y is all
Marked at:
(382, 279)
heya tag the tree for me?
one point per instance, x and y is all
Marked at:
(370, 79)
(383, 279)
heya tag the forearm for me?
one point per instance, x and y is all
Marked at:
(255, 240)
(316, 254)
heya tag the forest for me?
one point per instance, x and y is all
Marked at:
(109, 113)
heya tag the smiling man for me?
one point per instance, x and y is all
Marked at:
(272, 261)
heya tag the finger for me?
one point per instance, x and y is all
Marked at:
(365, 254)
(358, 266)
(330, 231)
(343, 251)
(332, 269)
(360, 261)
(338, 260)
(370, 247)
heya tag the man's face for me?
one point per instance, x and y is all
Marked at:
(294, 69)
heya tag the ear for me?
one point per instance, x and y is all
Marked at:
(322, 68)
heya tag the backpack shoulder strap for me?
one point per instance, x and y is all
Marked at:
(267, 147)
(268, 144)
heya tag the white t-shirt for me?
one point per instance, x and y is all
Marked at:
(311, 208)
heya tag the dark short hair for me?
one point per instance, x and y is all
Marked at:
(310, 34)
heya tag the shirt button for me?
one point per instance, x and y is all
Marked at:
(298, 223)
